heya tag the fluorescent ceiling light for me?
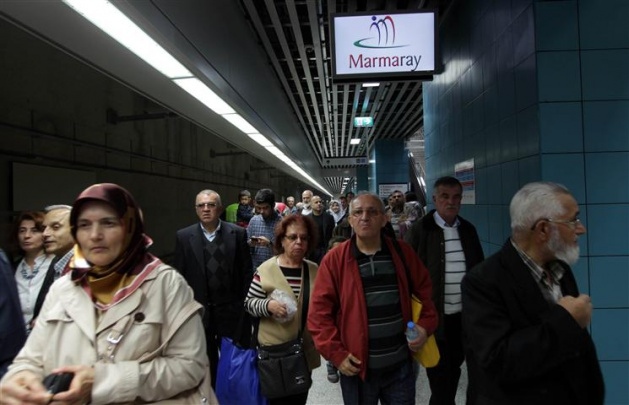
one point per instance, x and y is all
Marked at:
(239, 122)
(275, 151)
(201, 92)
(108, 18)
(112, 21)
(354, 141)
(371, 84)
(372, 161)
(261, 139)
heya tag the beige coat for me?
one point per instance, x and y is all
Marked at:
(69, 332)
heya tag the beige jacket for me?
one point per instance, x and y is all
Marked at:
(68, 332)
(271, 332)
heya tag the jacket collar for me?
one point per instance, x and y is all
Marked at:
(80, 308)
(526, 287)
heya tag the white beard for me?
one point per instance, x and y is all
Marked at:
(563, 251)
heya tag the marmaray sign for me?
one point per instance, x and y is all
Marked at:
(372, 44)
(365, 62)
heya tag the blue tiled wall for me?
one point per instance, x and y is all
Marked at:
(539, 90)
(393, 166)
(485, 106)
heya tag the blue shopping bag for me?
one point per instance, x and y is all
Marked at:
(237, 380)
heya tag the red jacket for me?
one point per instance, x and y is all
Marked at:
(337, 318)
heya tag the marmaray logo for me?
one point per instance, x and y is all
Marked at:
(384, 28)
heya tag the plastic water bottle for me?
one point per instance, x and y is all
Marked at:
(411, 332)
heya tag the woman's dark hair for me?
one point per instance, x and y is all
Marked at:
(410, 196)
(336, 239)
(14, 243)
(296, 219)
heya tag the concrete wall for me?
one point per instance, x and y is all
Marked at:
(53, 113)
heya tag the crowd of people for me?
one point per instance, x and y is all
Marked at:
(83, 297)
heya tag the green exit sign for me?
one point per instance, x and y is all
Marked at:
(363, 121)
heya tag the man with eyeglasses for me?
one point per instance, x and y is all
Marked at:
(214, 258)
(361, 304)
(524, 319)
(449, 246)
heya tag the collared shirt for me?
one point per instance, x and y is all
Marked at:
(547, 280)
(443, 224)
(387, 344)
(62, 263)
(258, 226)
(210, 235)
(455, 265)
(28, 287)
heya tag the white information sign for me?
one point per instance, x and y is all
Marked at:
(385, 189)
(464, 172)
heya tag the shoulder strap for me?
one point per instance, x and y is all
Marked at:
(398, 249)
(305, 293)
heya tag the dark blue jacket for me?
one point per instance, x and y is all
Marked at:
(12, 331)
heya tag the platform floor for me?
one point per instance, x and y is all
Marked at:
(325, 393)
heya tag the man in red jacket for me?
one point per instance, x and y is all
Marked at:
(360, 306)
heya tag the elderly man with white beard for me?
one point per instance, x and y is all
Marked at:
(524, 320)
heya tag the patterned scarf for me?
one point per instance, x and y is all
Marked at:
(110, 284)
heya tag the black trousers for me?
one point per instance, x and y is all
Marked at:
(444, 377)
(213, 345)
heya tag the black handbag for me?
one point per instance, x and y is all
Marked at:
(283, 368)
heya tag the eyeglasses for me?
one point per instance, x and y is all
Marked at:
(206, 205)
(572, 224)
(369, 212)
(293, 238)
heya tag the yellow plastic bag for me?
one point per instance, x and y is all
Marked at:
(428, 356)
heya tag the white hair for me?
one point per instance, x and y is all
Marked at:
(533, 202)
(57, 207)
(210, 192)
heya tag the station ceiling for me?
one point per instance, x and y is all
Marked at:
(269, 59)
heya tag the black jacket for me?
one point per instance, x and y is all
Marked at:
(12, 331)
(189, 261)
(426, 237)
(48, 280)
(521, 349)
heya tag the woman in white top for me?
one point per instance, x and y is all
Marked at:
(30, 271)
(336, 212)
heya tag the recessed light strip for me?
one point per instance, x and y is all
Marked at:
(112, 21)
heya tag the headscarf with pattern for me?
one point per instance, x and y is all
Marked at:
(110, 284)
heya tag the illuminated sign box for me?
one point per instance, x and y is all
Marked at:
(384, 46)
(363, 122)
